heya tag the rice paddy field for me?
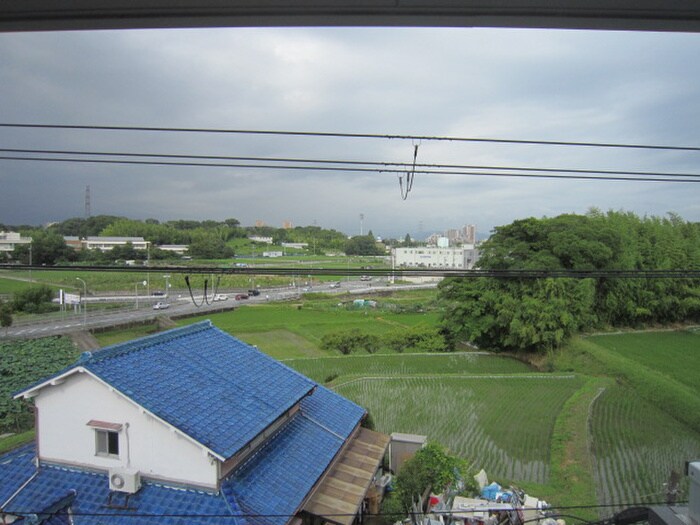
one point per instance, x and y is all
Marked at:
(502, 424)
(320, 369)
(636, 445)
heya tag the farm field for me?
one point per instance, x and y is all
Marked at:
(635, 447)
(319, 369)
(298, 332)
(676, 354)
(502, 424)
(22, 363)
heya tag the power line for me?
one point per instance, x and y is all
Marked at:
(402, 165)
(381, 272)
(660, 178)
(352, 136)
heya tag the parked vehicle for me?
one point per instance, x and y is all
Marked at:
(241, 296)
(160, 306)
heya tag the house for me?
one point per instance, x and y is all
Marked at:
(183, 426)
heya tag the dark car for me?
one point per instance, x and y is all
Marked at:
(241, 296)
(254, 293)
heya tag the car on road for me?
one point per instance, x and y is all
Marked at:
(160, 306)
(335, 285)
(254, 293)
(221, 297)
(241, 296)
(158, 293)
(366, 278)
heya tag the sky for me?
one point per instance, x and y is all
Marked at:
(578, 86)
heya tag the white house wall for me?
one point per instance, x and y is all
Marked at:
(145, 443)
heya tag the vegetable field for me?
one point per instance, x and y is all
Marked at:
(22, 363)
(502, 424)
(635, 447)
(319, 369)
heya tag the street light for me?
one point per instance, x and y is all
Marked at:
(136, 291)
(167, 285)
(83, 301)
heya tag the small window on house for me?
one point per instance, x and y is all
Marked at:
(106, 443)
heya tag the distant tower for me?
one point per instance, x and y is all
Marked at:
(87, 201)
(362, 225)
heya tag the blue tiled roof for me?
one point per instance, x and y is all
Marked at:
(204, 382)
(16, 467)
(280, 475)
(170, 505)
(338, 414)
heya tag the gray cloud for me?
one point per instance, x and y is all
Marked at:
(531, 84)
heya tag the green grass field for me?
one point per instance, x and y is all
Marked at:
(298, 332)
(675, 354)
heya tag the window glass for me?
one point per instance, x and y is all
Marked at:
(106, 443)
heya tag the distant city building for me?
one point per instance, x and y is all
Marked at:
(458, 257)
(9, 240)
(108, 243)
(443, 242)
(260, 238)
(464, 235)
(259, 223)
(287, 225)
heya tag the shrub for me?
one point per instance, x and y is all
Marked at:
(350, 341)
(36, 299)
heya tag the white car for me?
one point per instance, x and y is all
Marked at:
(221, 297)
(335, 285)
(160, 306)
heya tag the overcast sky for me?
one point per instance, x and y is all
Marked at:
(516, 84)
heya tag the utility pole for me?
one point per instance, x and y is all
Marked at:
(362, 227)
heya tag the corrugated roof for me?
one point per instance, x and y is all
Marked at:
(339, 496)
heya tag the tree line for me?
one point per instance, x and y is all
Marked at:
(537, 315)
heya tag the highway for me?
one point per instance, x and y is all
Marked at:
(181, 305)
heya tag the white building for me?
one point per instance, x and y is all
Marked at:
(260, 238)
(9, 240)
(460, 257)
(107, 243)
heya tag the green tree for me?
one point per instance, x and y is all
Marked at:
(47, 247)
(433, 468)
(538, 315)
(362, 245)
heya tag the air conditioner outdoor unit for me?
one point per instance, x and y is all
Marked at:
(124, 480)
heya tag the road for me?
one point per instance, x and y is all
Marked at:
(180, 305)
